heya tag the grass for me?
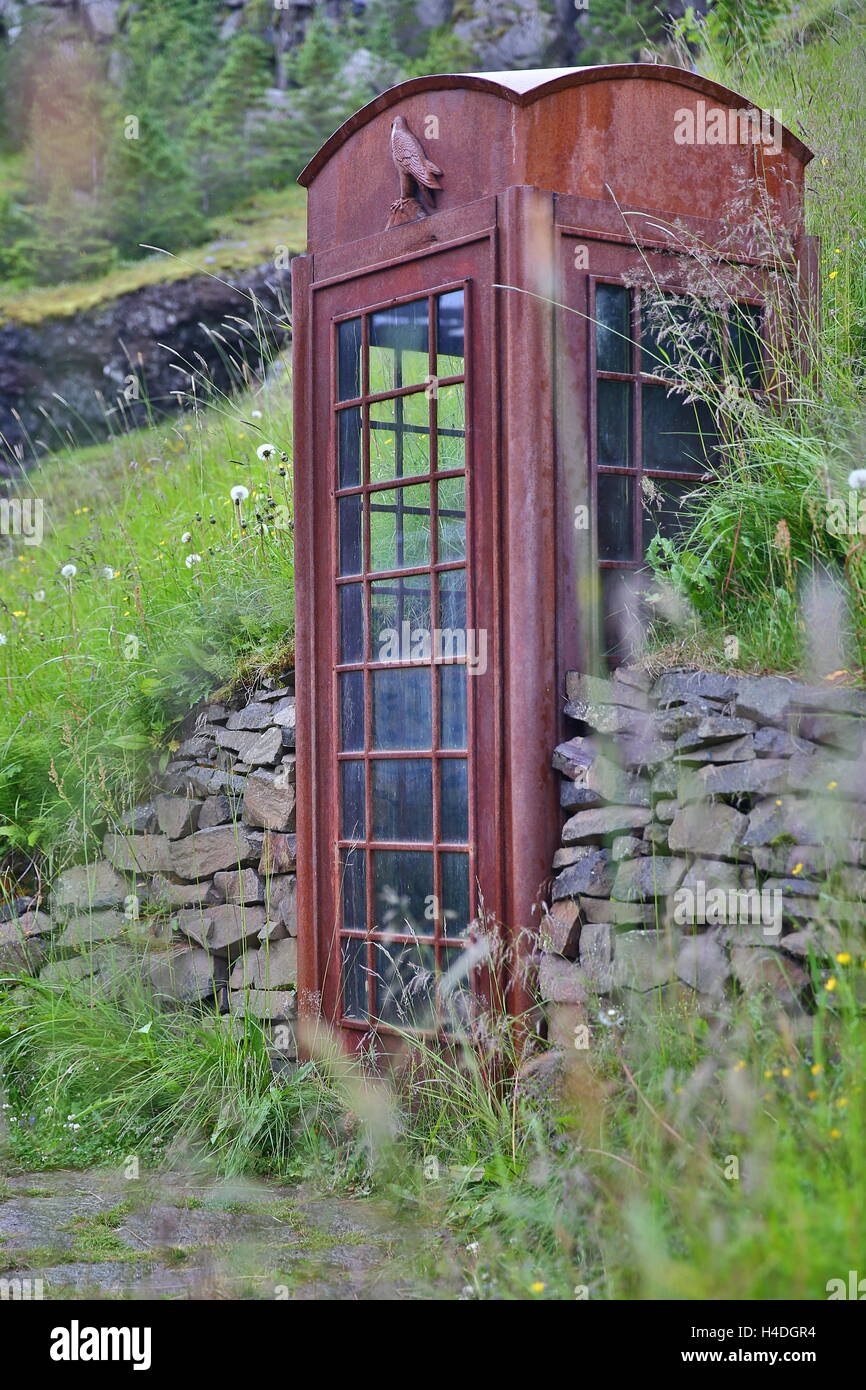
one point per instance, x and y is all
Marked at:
(760, 569)
(685, 1157)
(95, 667)
(240, 240)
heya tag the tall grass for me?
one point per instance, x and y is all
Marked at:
(175, 587)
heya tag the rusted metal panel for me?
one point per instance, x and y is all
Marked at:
(529, 191)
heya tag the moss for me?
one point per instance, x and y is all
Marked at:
(239, 241)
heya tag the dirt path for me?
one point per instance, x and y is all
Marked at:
(95, 1234)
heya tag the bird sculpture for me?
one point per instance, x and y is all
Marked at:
(419, 176)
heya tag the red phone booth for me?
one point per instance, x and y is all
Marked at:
(476, 419)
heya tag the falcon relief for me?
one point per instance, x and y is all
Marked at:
(419, 176)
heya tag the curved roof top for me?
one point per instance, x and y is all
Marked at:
(523, 88)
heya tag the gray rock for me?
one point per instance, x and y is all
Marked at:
(716, 873)
(253, 748)
(715, 729)
(269, 801)
(633, 914)
(284, 713)
(279, 853)
(139, 820)
(591, 827)
(560, 981)
(573, 758)
(571, 795)
(665, 810)
(177, 894)
(657, 835)
(708, 828)
(59, 974)
(762, 775)
(143, 854)
(94, 885)
(20, 954)
(564, 857)
(628, 847)
(215, 810)
(779, 743)
(240, 886)
(634, 676)
(596, 691)
(266, 1005)
(254, 716)
(642, 879)
(590, 875)
(764, 698)
(681, 687)
(759, 971)
(186, 975)
(607, 778)
(225, 929)
(596, 955)
(274, 966)
(82, 933)
(609, 719)
(643, 960)
(281, 901)
(836, 730)
(560, 929)
(647, 752)
(207, 851)
(176, 815)
(703, 964)
(739, 750)
(199, 747)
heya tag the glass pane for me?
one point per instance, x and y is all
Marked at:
(400, 527)
(403, 885)
(678, 435)
(353, 873)
(747, 356)
(399, 354)
(402, 792)
(402, 709)
(355, 979)
(405, 983)
(452, 600)
(614, 423)
(614, 495)
(349, 446)
(454, 908)
(457, 1004)
(662, 509)
(454, 801)
(349, 360)
(349, 509)
(352, 711)
(452, 707)
(399, 437)
(612, 329)
(449, 334)
(678, 336)
(351, 603)
(352, 819)
(452, 519)
(622, 615)
(451, 426)
(394, 603)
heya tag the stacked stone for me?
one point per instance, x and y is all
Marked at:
(696, 782)
(196, 890)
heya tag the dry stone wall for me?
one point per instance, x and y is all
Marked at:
(714, 841)
(195, 893)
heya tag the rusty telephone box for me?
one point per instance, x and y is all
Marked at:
(476, 419)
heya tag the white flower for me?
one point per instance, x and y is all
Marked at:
(186, 538)
(192, 560)
(3, 640)
(267, 451)
(39, 596)
(239, 493)
(857, 479)
(256, 414)
(107, 572)
(69, 571)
